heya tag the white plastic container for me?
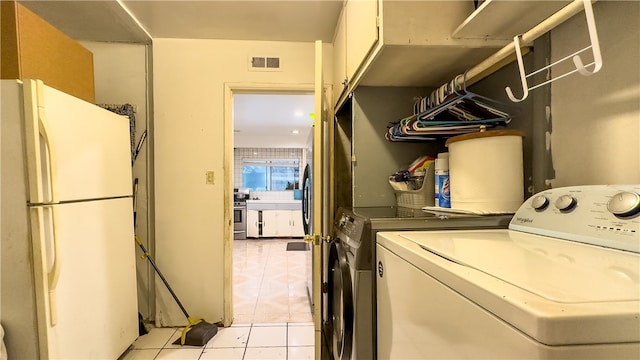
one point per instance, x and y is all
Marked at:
(486, 171)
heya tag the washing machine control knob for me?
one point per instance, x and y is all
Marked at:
(540, 202)
(624, 203)
(565, 202)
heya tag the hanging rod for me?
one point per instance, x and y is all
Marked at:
(504, 56)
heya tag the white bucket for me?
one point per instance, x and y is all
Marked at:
(486, 171)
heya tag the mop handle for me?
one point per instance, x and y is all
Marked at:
(175, 297)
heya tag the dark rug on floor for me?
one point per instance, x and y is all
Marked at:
(297, 246)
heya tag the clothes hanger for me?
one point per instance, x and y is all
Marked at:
(457, 99)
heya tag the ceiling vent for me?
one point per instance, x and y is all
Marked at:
(264, 63)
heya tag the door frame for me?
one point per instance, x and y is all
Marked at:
(228, 166)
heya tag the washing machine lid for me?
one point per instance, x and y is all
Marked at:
(555, 291)
(554, 269)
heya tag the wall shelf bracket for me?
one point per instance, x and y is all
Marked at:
(577, 60)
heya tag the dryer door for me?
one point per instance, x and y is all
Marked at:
(340, 307)
(307, 206)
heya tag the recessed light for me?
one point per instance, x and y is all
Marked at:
(298, 113)
(295, 131)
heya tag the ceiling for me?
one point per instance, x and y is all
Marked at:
(259, 119)
(269, 120)
(271, 20)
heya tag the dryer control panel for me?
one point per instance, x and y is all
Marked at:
(603, 215)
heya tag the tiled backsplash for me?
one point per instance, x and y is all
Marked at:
(272, 195)
(266, 153)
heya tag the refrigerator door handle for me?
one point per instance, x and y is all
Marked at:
(49, 158)
(41, 157)
(53, 261)
(46, 179)
(45, 256)
(41, 162)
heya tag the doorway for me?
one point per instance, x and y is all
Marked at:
(267, 276)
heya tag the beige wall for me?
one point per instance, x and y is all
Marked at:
(189, 84)
(121, 78)
(595, 137)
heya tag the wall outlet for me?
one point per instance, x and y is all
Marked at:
(210, 177)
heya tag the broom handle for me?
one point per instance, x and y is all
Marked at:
(135, 202)
(153, 263)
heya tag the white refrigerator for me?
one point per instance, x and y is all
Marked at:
(68, 281)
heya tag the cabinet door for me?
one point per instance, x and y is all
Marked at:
(362, 32)
(276, 223)
(269, 223)
(297, 230)
(284, 223)
(252, 224)
(340, 58)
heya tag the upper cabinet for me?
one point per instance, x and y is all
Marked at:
(340, 80)
(362, 32)
(428, 43)
(356, 36)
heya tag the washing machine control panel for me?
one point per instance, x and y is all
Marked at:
(603, 215)
(346, 225)
(349, 229)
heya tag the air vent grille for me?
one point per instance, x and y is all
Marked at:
(273, 63)
(258, 62)
(264, 63)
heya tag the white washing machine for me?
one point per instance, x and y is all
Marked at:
(563, 282)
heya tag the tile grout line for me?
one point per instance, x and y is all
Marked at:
(246, 345)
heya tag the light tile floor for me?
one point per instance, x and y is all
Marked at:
(272, 315)
(269, 282)
(293, 341)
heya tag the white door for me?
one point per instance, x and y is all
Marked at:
(319, 197)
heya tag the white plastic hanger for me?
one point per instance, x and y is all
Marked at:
(577, 60)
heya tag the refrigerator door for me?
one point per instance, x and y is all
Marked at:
(75, 150)
(90, 310)
(17, 292)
